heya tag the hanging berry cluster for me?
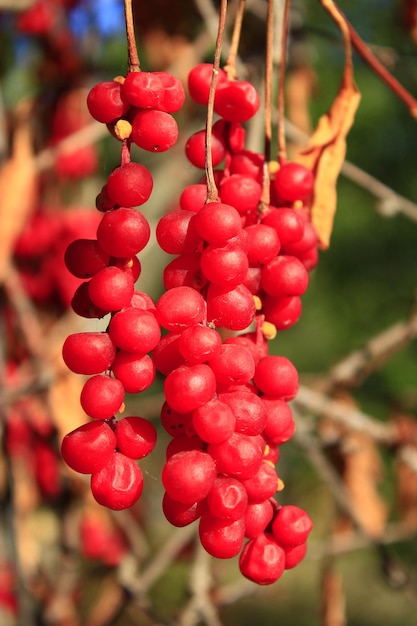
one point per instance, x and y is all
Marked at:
(239, 270)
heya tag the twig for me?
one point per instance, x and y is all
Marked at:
(379, 69)
(230, 65)
(354, 419)
(132, 52)
(200, 604)
(282, 150)
(354, 368)
(212, 193)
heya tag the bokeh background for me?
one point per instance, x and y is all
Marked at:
(65, 561)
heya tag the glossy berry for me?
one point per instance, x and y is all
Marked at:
(119, 484)
(248, 409)
(105, 102)
(195, 149)
(284, 276)
(227, 498)
(189, 387)
(276, 376)
(224, 265)
(130, 185)
(237, 101)
(89, 447)
(283, 312)
(184, 271)
(240, 456)
(218, 222)
(199, 343)
(214, 421)
(179, 514)
(222, 538)
(176, 232)
(293, 181)
(155, 131)
(188, 476)
(134, 330)
(176, 424)
(263, 484)
(262, 560)
(233, 365)
(122, 233)
(85, 257)
(179, 308)
(280, 425)
(102, 396)
(230, 308)
(242, 192)
(111, 289)
(135, 371)
(291, 525)
(199, 81)
(135, 436)
(263, 243)
(257, 517)
(143, 89)
(88, 352)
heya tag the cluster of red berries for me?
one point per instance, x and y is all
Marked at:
(237, 266)
(226, 400)
(117, 360)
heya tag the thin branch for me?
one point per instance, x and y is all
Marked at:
(282, 150)
(354, 419)
(212, 193)
(230, 66)
(200, 605)
(132, 52)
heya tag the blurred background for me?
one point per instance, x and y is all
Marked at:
(66, 561)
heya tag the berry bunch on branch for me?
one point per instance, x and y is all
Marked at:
(243, 244)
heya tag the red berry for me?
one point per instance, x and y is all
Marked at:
(249, 411)
(135, 371)
(280, 425)
(179, 514)
(123, 233)
(239, 456)
(214, 421)
(102, 396)
(291, 525)
(176, 232)
(227, 498)
(106, 103)
(276, 376)
(135, 436)
(230, 308)
(199, 81)
(262, 560)
(222, 538)
(242, 192)
(119, 484)
(257, 517)
(237, 101)
(135, 330)
(89, 447)
(293, 181)
(199, 343)
(189, 387)
(155, 131)
(233, 365)
(111, 289)
(143, 89)
(188, 476)
(217, 222)
(225, 266)
(196, 153)
(130, 185)
(284, 276)
(283, 312)
(88, 352)
(85, 258)
(180, 307)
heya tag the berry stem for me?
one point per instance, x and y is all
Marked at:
(212, 192)
(367, 55)
(282, 150)
(265, 198)
(230, 67)
(132, 52)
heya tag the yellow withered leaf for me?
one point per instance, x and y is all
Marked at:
(18, 185)
(325, 151)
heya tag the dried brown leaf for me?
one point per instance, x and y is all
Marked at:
(18, 187)
(326, 149)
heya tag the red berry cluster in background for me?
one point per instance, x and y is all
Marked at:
(238, 273)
